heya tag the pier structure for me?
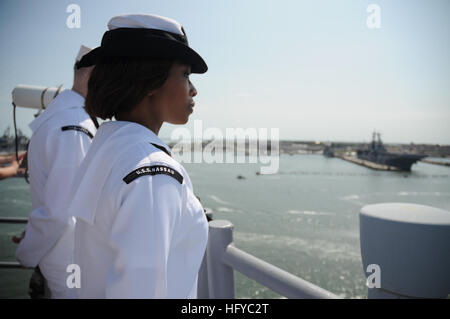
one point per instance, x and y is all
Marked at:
(435, 162)
(369, 164)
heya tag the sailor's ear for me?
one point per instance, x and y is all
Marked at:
(152, 92)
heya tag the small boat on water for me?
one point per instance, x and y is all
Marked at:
(378, 154)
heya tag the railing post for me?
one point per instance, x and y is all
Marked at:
(220, 276)
(404, 250)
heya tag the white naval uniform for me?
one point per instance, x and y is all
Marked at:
(57, 147)
(139, 233)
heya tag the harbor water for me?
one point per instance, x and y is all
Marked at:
(304, 219)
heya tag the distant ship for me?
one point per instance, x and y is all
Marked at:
(328, 151)
(377, 153)
(7, 141)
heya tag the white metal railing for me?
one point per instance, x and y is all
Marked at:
(216, 277)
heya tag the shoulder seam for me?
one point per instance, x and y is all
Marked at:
(161, 148)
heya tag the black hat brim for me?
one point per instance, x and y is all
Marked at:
(89, 59)
(158, 48)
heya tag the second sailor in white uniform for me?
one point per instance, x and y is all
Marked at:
(61, 138)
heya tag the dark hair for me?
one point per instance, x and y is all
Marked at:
(118, 84)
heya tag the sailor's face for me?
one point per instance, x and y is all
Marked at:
(176, 95)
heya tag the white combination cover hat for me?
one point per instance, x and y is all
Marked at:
(146, 35)
(82, 52)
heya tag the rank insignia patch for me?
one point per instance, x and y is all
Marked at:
(77, 128)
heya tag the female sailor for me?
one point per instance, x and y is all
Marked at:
(141, 232)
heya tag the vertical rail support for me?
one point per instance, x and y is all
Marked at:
(220, 275)
(202, 284)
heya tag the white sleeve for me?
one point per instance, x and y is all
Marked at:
(46, 224)
(141, 236)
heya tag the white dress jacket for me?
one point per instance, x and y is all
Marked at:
(61, 138)
(140, 232)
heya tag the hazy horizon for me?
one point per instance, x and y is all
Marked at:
(168, 139)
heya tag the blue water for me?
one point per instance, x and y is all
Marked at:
(303, 219)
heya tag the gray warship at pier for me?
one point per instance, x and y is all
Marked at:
(378, 154)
